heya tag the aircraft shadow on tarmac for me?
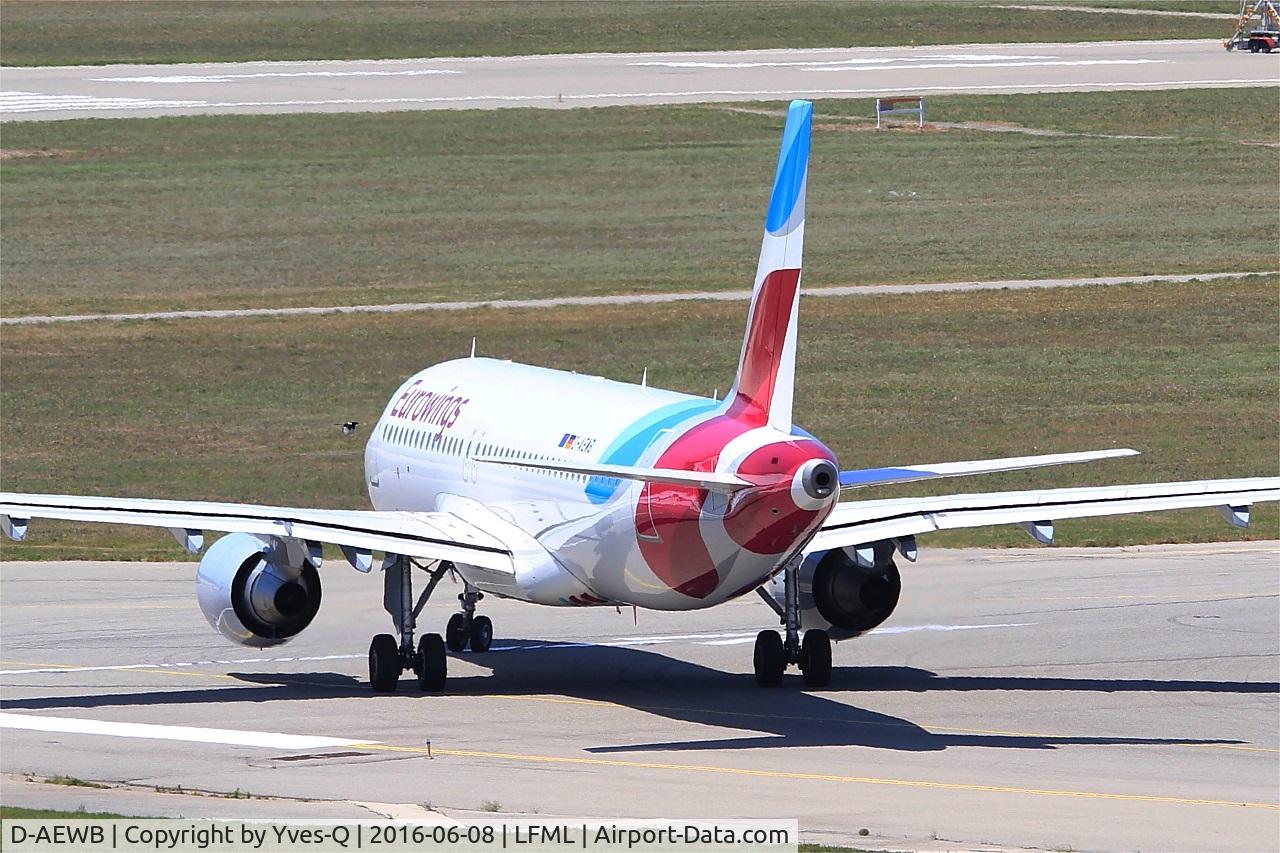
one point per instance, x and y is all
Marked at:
(654, 683)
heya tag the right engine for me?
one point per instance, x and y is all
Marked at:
(843, 595)
(257, 592)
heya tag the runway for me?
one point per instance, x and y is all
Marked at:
(1052, 698)
(586, 80)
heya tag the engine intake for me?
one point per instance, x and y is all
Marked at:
(257, 592)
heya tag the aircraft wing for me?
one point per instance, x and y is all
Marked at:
(864, 477)
(425, 535)
(854, 523)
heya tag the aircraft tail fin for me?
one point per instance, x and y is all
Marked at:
(763, 390)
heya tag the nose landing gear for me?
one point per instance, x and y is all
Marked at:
(773, 654)
(466, 628)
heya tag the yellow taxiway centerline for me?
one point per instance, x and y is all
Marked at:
(810, 777)
(186, 672)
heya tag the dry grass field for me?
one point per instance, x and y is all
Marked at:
(245, 409)
(243, 211)
(93, 33)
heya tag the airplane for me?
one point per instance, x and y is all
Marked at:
(576, 491)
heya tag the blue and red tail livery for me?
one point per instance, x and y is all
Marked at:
(764, 389)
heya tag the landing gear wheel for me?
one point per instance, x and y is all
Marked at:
(481, 634)
(456, 634)
(432, 665)
(815, 656)
(384, 663)
(770, 659)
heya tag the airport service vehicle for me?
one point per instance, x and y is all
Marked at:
(1263, 39)
(576, 491)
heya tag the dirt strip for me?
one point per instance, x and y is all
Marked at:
(623, 299)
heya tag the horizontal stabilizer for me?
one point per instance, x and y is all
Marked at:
(911, 473)
(709, 480)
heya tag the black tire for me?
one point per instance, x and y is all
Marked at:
(481, 634)
(770, 659)
(432, 663)
(815, 651)
(1254, 47)
(384, 663)
(456, 634)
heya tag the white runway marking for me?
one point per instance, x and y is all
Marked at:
(34, 102)
(669, 637)
(737, 638)
(993, 65)
(731, 93)
(732, 638)
(228, 737)
(911, 629)
(819, 63)
(180, 665)
(623, 299)
(903, 63)
(231, 78)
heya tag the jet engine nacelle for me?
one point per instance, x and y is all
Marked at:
(842, 595)
(257, 592)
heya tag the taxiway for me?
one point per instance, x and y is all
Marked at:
(1055, 698)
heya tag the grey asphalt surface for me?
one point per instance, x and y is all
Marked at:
(584, 80)
(1051, 698)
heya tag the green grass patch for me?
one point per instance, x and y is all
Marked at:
(91, 33)
(20, 813)
(1187, 116)
(244, 409)
(73, 782)
(243, 211)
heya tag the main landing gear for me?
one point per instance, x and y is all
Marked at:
(389, 658)
(773, 654)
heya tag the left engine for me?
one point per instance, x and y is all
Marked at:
(255, 591)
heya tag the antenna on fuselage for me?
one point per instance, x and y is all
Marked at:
(473, 347)
(715, 395)
(644, 378)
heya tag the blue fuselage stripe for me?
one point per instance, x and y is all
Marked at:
(628, 447)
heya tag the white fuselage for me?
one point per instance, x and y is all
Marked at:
(423, 452)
